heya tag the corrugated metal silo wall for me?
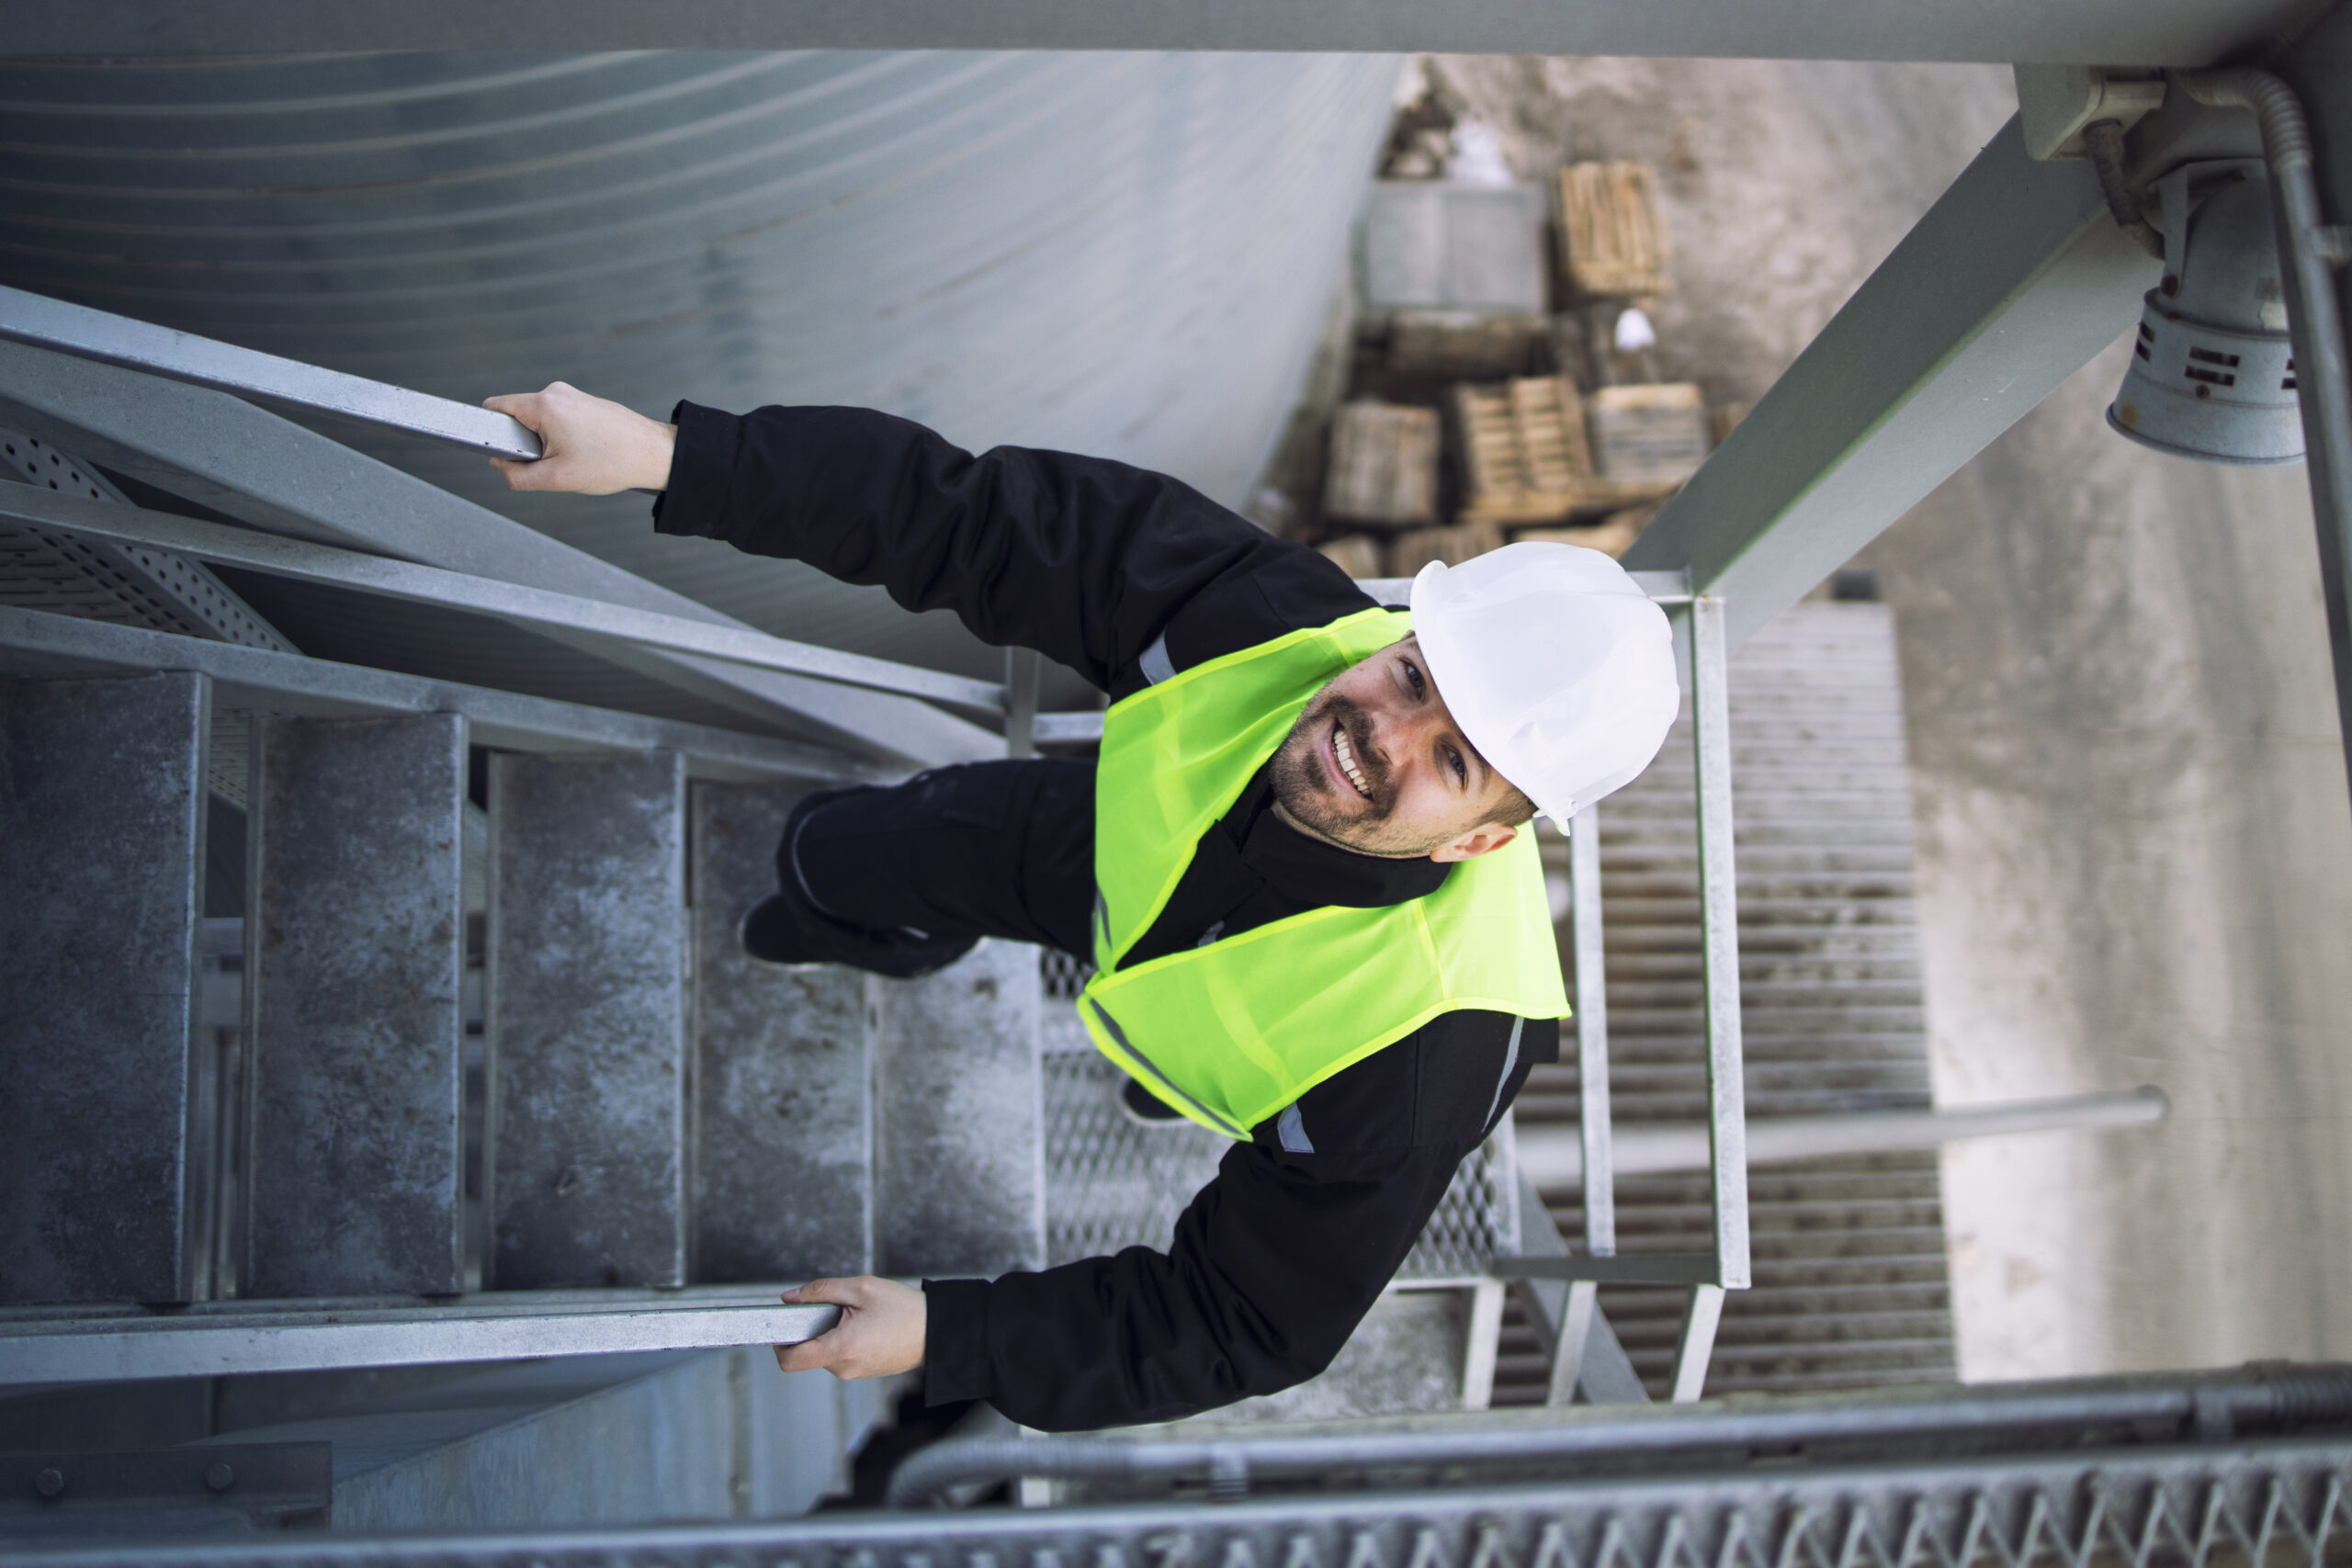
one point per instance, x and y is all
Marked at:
(1127, 255)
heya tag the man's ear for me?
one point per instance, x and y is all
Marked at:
(1483, 840)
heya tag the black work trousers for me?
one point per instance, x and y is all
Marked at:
(981, 849)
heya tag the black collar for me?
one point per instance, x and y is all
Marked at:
(1316, 873)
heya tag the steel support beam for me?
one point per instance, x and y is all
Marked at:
(2120, 32)
(247, 462)
(2011, 284)
(185, 1489)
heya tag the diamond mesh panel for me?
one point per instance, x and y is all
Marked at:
(1112, 1182)
(1065, 977)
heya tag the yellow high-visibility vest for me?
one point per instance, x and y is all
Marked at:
(1231, 1032)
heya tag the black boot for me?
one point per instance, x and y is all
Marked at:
(782, 929)
(787, 927)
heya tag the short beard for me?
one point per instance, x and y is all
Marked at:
(1305, 792)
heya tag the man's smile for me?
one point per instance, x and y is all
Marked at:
(1341, 755)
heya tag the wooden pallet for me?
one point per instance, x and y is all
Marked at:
(1384, 464)
(1649, 435)
(1612, 237)
(1354, 554)
(1612, 536)
(1455, 544)
(1526, 457)
(1464, 342)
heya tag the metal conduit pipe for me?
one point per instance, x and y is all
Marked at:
(2210, 1409)
(1554, 1156)
(2308, 250)
(2103, 141)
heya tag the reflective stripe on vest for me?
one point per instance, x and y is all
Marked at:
(1231, 1032)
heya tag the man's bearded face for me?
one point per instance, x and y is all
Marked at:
(1375, 761)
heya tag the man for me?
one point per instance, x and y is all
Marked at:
(1298, 866)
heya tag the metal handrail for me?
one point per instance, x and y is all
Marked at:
(1725, 1265)
(105, 337)
(85, 333)
(107, 1343)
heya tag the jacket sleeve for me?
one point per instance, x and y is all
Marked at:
(1079, 558)
(1270, 1269)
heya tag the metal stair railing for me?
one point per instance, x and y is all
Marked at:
(1571, 1320)
(139, 346)
(607, 628)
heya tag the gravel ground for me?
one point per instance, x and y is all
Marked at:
(2135, 850)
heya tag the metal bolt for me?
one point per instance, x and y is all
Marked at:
(2171, 285)
(49, 1482)
(219, 1476)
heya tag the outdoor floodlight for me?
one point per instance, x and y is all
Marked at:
(2212, 375)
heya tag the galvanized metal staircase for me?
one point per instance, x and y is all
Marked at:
(458, 1056)
(466, 1062)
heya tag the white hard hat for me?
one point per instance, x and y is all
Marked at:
(1557, 665)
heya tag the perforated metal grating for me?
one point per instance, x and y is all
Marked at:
(1852, 1287)
(1112, 1182)
(125, 585)
(96, 579)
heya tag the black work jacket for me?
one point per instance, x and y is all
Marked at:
(1127, 576)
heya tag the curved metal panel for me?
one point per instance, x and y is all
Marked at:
(2123, 32)
(1127, 255)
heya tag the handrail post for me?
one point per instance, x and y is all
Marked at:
(1021, 672)
(1592, 1094)
(1702, 627)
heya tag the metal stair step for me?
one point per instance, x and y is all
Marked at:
(102, 810)
(355, 945)
(959, 1134)
(586, 1021)
(783, 1183)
